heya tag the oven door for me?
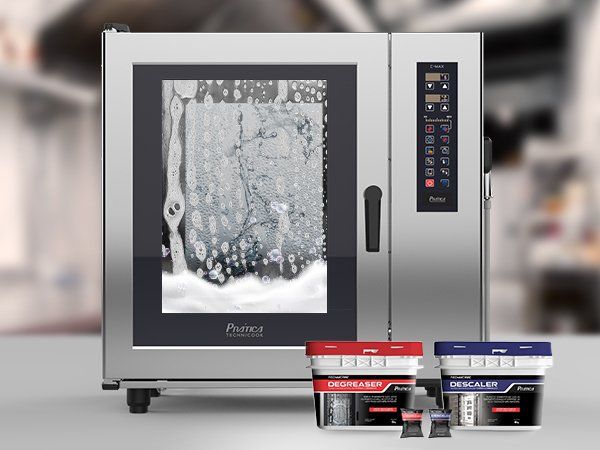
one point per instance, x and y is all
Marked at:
(234, 221)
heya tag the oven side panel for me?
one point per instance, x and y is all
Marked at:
(436, 249)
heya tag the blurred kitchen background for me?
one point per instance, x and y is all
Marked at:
(542, 109)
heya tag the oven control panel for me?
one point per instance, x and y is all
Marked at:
(437, 151)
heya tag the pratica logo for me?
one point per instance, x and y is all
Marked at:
(243, 331)
(433, 199)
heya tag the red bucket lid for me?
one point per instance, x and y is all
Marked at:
(376, 348)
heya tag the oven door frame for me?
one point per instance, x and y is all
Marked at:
(120, 52)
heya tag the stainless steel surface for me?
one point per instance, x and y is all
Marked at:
(436, 256)
(53, 401)
(121, 51)
(182, 384)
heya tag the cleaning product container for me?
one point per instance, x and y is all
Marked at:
(494, 385)
(363, 385)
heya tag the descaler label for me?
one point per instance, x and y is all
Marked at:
(499, 400)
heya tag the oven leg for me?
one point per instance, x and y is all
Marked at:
(439, 398)
(435, 391)
(138, 400)
(155, 393)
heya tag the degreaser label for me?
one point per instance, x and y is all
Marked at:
(347, 400)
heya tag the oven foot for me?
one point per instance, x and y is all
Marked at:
(435, 391)
(155, 393)
(138, 400)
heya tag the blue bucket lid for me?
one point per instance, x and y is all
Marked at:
(493, 348)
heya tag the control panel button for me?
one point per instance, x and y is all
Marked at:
(445, 182)
(429, 107)
(445, 127)
(429, 139)
(445, 139)
(430, 161)
(444, 107)
(445, 161)
(430, 150)
(429, 172)
(429, 128)
(445, 85)
(429, 182)
(445, 171)
(445, 150)
(429, 86)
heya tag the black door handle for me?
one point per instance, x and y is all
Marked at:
(372, 197)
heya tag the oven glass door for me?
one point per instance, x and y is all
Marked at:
(244, 189)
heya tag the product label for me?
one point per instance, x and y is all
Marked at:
(348, 400)
(508, 400)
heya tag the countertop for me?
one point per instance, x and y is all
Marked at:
(52, 399)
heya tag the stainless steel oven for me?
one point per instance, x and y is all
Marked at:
(262, 190)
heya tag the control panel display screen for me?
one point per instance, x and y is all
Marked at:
(437, 150)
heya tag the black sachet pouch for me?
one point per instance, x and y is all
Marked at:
(411, 423)
(440, 423)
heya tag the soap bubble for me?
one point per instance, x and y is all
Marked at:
(280, 208)
(274, 254)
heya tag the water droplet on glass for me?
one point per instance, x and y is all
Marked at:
(274, 254)
(297, 96)
(266, 279)
(291, 258)
(280, 208)
(208, 100)
(213, 274)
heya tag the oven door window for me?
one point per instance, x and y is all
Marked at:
(245, 204)
(257, 212)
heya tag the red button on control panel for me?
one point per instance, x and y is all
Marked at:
(429, 182)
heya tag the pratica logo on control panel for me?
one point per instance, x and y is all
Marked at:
(243, 331)
(438, 199)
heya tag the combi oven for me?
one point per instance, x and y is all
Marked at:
(263, 190)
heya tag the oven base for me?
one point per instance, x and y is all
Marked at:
(141, 392)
